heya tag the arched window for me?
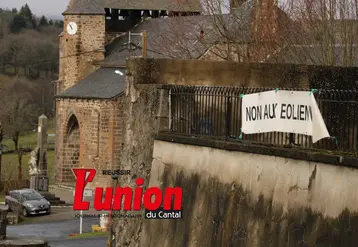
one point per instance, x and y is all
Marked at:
(71, 152)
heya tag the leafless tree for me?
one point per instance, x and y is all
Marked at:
(18, 112)
(218, 35)
(326, 32)
(320, 32)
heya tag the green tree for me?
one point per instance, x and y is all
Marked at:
(59, 24)
(14, 11)
(43, 21)
(19, 114)
(26, 12)
(17, 24)
(50, 22)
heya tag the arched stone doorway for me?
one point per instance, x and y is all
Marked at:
(71, 157)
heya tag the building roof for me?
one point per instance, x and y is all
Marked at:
(183, 37)
(316, 55)
(180, 37)
(98, 6)
(104, 83)
(84, 7)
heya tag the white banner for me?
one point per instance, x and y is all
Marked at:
(283, 111)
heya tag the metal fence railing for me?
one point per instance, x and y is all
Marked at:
(216, 112)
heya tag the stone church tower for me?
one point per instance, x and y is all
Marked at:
(81, 43)
(89, 26)
(89, 109)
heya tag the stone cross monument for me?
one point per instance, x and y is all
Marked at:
(38, 161)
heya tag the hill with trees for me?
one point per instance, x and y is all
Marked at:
(28, 64)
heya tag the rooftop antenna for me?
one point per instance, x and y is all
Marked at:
(144, 41)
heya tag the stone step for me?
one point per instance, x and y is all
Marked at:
(59, 203)
(51, 197)
(66, 187)
(54, 200)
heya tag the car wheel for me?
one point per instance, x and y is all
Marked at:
(24, 212)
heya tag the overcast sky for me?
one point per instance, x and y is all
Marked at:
(51, 8)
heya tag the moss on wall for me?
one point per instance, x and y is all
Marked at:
(216, 214)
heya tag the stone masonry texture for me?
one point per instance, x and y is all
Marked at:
(141, 122)
(79, 51)
(89, 135)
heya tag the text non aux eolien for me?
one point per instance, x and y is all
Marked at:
(282, 111)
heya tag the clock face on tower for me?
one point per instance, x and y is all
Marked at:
(71, 28)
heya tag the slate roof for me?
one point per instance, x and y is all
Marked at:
(179, 37)
(315, 55)
(174, 37)
(98, 6)
(104, 83)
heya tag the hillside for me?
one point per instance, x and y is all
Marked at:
(28, 66)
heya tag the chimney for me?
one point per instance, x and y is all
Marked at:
(235, 4)
(265, 21)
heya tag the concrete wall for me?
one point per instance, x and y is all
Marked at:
(242, 199)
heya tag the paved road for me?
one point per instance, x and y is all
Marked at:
(92, 242)
(57, 233)
(61, 214)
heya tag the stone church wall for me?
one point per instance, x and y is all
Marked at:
(99, 142)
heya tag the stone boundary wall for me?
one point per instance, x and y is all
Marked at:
(146, 107)
(309, 155)
(234, 198)
(223, 73)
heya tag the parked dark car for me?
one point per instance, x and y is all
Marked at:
(28, 202)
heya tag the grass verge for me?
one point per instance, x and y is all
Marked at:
(10, 162)
(29, 139)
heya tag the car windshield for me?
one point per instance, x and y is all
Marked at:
(29, 196)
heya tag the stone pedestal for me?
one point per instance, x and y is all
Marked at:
(39, 178)
(3, 222)
(39, 182)
(42, 182)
